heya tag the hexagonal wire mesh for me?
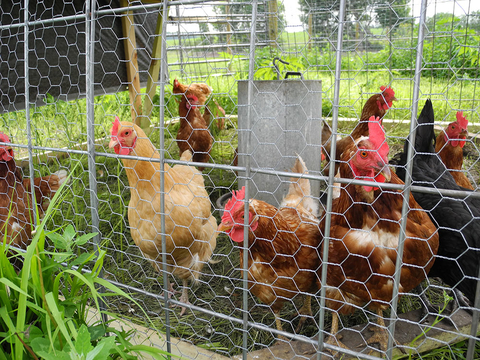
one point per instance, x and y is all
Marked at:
(79, 59)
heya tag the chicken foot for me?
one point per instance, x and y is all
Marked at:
(334, 338)
(183, 298)
(170, 291)
(380, 335)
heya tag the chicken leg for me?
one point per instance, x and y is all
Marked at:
(278, 322)
(334, 339)
(305, 312)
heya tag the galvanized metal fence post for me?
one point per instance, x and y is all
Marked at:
(408, 180)
(26, 30)
(90, 99)
(333, 148)
(163, 83)
(251, 74)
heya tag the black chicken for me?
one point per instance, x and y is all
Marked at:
(458, 220)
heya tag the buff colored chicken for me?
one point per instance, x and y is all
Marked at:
(190, 228)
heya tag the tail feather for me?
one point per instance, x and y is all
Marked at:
(424, 140)
(425, 136)
(187, 155)
(299, 191)
(301, 186)
(62, 176)
(326, 133)
(45, 187)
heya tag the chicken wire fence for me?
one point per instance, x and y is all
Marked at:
(84, 63)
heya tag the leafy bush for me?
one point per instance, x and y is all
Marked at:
(45, 308)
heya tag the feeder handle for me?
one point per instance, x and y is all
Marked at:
(275, 59)
(293, 73)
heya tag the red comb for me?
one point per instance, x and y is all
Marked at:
(236, 196)
(116, 126)
(388, 92)
(462, 120)
(377, 136)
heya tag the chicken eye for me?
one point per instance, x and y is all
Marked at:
(453, 127)
(363, 154)
(126, 133)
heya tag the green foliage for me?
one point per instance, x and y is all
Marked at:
(242, 11)
(45, 309)
(389, 14)
(447, 300)
(450, 51)
(266, 71)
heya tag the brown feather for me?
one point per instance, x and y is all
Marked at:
(370, 108)
(452, 157)
(16, 203)
(193, 133)
(362, 252)
(283, 254)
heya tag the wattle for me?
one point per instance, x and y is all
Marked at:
(379, 178)
(454, 143)
(120, 150)
(6, 156)
(237, 234)
(369, 188)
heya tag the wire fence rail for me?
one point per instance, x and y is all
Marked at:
(324, 252)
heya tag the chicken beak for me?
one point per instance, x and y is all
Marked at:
(464, 134)
(113, 142)
(385, 171)
(224, 227)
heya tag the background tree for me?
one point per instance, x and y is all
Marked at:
(241, 12)
(324, 18)
(389, 14)
(473, 21)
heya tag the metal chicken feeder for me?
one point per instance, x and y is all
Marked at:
(286, 120)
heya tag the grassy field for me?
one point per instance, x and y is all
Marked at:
(63, 124)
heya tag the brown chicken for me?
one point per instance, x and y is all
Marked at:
(45, 188)
(377, 105)
(16, 215)
(202, 92)
(198, 91)
(283, 255)
(193, 133)
(365, 227)
(449, 146)
(190, 228)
